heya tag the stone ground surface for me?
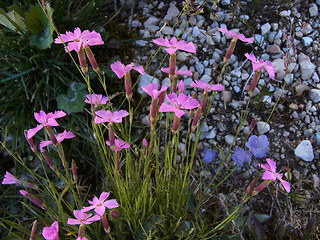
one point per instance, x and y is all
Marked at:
(291, 99)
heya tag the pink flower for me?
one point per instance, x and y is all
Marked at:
(256, 65)
(82, 238)
(82, 218)
(96, 99)
(120, 69)
(52, 232)
(173, 45)
(145, 142)
(119, 144)
(100, 204)
(108, 116)
(235, 35)
(152, 90)
(45, 120)
(180, 102)
(206, 86)
(60, 137)
(179, 72)
(77, 39)
(10, 179)
(271, 174)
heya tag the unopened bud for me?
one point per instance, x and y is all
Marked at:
(74, 171)
(83, 61)
(31, 142)
(92, 59)
(128, 86)
(34, 230)
(33, 199)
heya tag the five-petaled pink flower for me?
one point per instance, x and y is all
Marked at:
(119, 144)
(206, 86)
(256, 65)
(77, 39)
(82, 218)
(60, 137)
(271, 174)
(152, 90)
(100, 204)
(52, 232)
(236, 35)
(108, 116)
(96, 99)
(173, 45)
(120, 69)
(45, 120)
(179, 72)
(10, 179)
(180, 102)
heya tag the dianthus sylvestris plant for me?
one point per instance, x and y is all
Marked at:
(80, 42)
(124, 70)
(171, 46)
(233, 43)
(257, 67)
(52, 232)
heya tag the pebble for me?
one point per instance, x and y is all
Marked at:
(265, 28)
(263, 127)
(172, 12)
(212, 134)
(313, 10)
(152, 24)
(306, 29)
(285, 13)
(307, 41)
(225, 2)
(314, 95)
(306, 67)
(199, 67)
(229, 139)
(304, 151)
(301, 88)
(274, 49)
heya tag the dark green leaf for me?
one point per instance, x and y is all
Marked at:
(74, 100)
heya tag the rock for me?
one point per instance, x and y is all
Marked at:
(167, 30)
(307, 41)
(259, 39)
(225, 2)
(307, 68)
(304, 151)
(265, 28)
(236, 73)
(301, 88)
(263, 127)
(145, 120)
(212, 134)
(314, 95)
(199, 67)
(172, 12)
(141, 43)
(306, 29)
(183, 56)
(152, 24)
(229, 139)
(313, 10)
(285, 13)
(145, 80)
(316, 181)
(274, 49)
(181, 147)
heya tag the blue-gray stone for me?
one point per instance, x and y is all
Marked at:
(304, 151)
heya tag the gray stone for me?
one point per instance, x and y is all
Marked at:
(285, 13)
(307, 41)
(229, 139)
(152, 24)
(195, 31)
(313, 10)
(172, 12)
(265, 28)
(274, 49)
(314, 95)
(263, 127)
(304, 151)
(306, 29)
(212, 134)
(225, 2)
(199, 67)
(141, 43)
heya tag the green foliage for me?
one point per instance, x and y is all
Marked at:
(74, 100)
(39, 24)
